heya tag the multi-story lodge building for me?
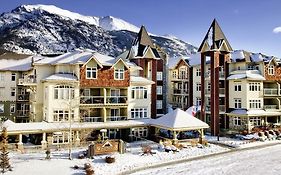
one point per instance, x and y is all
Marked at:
(236, 90)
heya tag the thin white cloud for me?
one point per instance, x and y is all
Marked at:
(277, 30)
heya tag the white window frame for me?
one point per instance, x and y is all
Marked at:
(182, 73)
(198, 72)
(61, 138)
(60, 115)
(236, 121)
(237, 103)
(13, 77)
(159, 104)
(13, 92)
(139, 132)
(271, 70)
(93, 72)
(198, 86)
(174, 74)
(138, 113)
(119, 74)
(12, 108)
(255, 104)
(159, 76)
(255, 86)
(198, 101)
(139, 92)
(2, 107)
(255, 121)
(64, 92)
(237, 87)
(159, 90)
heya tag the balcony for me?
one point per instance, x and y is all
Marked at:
(270, 92)
(27, 80)
(23, 97)
(270, 107)
(92, 119)
(221, 108)
(100, 100)
(116, 100)
(23, 113)
(180, 91)
(116, 118)
(179, 78)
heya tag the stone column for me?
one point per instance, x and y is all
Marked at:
(77, 140)
(20, 144)
(104, 114)
(175, 137)
(44, 142)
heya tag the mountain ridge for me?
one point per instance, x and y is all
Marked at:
(39, 29)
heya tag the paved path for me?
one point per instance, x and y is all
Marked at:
(259, 160)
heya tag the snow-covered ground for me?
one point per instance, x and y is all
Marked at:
(35, 163)
(257, 161)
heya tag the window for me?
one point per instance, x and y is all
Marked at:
(182, 73)
(270, 70)
(119, 74)
(139, 132)
(137, 113)
(159, 76)
(1, 108)
(237, 103)
(174, 74)
(198, 101)
(13, 78)
(198, 72)
(61, 137)
(62, 115)
(236, 121)
(159, 90)
(208, 87)
(63, 92)
(1, 76)
(91, 72)
(255, 121)
(255, 104)
(12, 108)
(139, 93)
(237, 86)
(13, 92)
(198, 86)
(254, 86)
(250, 67)
(159, 104)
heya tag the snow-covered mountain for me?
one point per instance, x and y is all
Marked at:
(48, 29)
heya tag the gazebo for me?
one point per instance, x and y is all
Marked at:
(177, 121)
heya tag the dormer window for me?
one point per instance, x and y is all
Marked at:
(119, 74)
(270, 70)
(91, 72)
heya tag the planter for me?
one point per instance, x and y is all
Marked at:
(109, 159)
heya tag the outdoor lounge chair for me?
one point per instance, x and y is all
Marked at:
(262, 136)
(269, 136)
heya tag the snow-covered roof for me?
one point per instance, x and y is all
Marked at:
(248, 74)
(140, 80)
(253, 112)
(173, 62)
(22, 64)
(74, 57)
(44, 126)
(61, 77)
(178, 120)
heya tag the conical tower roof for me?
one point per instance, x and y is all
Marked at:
(215, 39)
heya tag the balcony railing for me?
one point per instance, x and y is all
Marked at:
(100, 100)
(22, 113)
(268, 91)
(180, 91)
(116, 118)
(221, 108)
(222, 90)
(92, 119)
(27, 80)
(91, 99)
(180, 78)
(270, 107)
(23, 97)
(116, 100)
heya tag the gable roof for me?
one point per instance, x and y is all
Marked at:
(143, 38)
(215, 39)
(178, 120)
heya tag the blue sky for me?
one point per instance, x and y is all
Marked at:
(248, 24)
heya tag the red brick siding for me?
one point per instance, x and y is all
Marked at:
(276, 76)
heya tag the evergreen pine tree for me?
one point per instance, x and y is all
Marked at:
(4, 159)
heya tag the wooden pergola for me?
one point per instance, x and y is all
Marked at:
(177, 121)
